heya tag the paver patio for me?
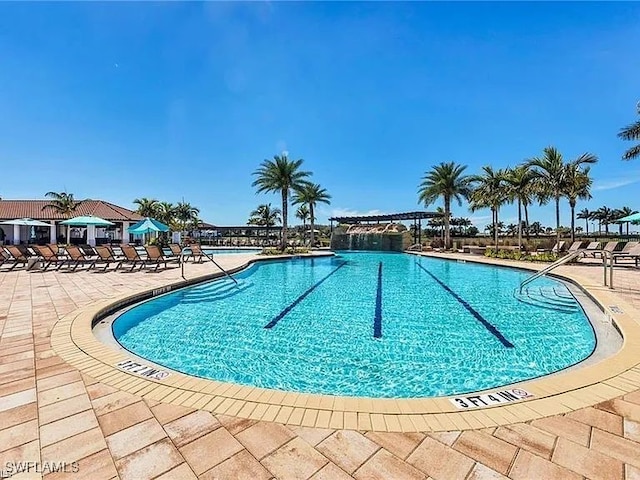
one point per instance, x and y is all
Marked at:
(50, 412)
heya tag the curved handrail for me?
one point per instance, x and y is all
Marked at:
(547, 269)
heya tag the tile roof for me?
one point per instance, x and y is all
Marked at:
(11, 209)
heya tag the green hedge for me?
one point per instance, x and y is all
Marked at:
(523, 256)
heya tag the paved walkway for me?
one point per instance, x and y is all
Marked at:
(49, 412)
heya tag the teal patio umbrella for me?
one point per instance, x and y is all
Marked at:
(634, 217)
(148, 225)
(88, 221)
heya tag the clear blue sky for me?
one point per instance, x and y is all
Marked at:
(118, 101)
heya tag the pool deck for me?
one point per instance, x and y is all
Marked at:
(119, 425)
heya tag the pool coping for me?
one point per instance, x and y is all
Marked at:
(73, 340)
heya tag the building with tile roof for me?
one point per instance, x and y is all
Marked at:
(38, 210)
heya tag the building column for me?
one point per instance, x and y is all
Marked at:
(91, 235)
(53, 233)
(16, 234)
(125, 233)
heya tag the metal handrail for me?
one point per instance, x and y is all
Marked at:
(221, 269)
(182, 262)
(547, 269)
(606, 255)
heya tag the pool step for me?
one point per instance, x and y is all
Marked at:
(552, 298)
(214, 291)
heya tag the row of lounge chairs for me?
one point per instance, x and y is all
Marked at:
(619, 250)
(99, 257)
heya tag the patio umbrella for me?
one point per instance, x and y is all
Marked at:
(87, 220)
(26, 222)
(635, 217)
(90, 222)
(148, 225)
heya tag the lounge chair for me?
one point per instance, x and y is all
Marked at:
(77, 258)
(176, 249)
(196, 253)
(575, 246)
(17, 256)
(609, 247)
(50, 257)
(633, 253)
(156, 257)
(557, 248)
(133, 257)
(106, 256)
(591, 248)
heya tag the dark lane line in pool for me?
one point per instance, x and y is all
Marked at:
(471, 310)
(284, 312)
(377, 319)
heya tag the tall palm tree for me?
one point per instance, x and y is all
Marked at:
(577, 187)
(521, 183)
(586, 215)
(147, 207)
(186, 214)
(550, 171)
(64, 204)
(625, 212)
(310, 194)
(281, 175)
(165, 212)
(490, 191)
(631, 132)
(536, 228)
(604, 215)
(446, 180)
(266, 216)
(303, 214)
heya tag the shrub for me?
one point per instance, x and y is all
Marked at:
(437, 243)
(288, 251)
(515, 255)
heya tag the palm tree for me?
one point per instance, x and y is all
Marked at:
(586, 215)
(512, 229)
(310, 194)
(577, 186)
(631, 132)
(536, 228)
(445, 180)
(64, 204)
(186, 214)
(165, 212)
(266, 216)
(604, 216)
(490, 191)
(625, 212)
(147, 207)
(303, 214)
(521, 182)
(550, 170)
(281, 175)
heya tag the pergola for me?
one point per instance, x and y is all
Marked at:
(417, 218)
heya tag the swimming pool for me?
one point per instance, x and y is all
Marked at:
(364, 324)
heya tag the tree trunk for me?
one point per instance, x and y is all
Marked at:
(312, 222)
(573, 221)
(285, 205)
(558, 223)
(620, 225)
(447, 233)
(494, 211)
(606, 228)
(526, 220)
(586, 223)
(519, 225)
(304, 230)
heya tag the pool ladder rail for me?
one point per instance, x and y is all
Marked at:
(606, 255)
(210, 258)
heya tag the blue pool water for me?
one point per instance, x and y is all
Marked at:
(364, 324)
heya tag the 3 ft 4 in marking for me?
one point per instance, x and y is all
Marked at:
(489, 399)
